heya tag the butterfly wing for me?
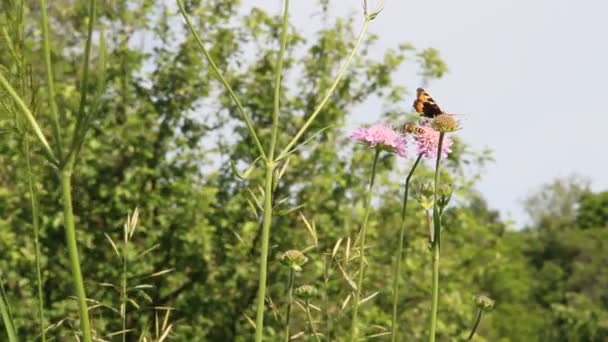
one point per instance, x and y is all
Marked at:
(425, 104)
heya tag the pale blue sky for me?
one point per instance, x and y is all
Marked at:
(529, 75)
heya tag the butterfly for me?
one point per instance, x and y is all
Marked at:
(425, 104)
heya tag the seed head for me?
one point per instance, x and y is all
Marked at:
(293, 259)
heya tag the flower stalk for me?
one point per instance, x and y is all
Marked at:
(368, 198)
(397, 270)
(436, 244)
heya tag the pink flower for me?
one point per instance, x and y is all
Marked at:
(381, 136)
(427, 141)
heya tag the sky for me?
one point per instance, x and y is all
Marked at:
(529, 77)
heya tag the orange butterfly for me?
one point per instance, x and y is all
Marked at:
(425, 104)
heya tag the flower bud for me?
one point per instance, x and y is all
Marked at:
(445, 123)
(444, 195)
(423, 192)
(484, 302)
(306, 291)
(293, 259)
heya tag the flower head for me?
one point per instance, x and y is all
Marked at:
(427, 141)
(381, 136)
(484, 302)
(306, 291)
(293, 259)
(445, 123)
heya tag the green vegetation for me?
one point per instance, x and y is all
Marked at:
(131, 114)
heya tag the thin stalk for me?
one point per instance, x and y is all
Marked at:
(219, 75)
(36, 224)
(323, 102)
(368, 199)
(259, 319)
(30, 118)
(477, 320)
(84, 82)
(123, 295)
(289, 301)
(70, 234)
(397, 271)
(309, 316)
(5, 312)
(435, 245)
(269, 180)
(49, 79)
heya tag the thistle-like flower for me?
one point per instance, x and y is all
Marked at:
(306, 291)
(445, 123)
(293, 259)
(381, 136)
(484, 302)
(427, 140)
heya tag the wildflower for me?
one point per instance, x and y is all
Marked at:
(484, 302)
(306, 291)
(293, 259)
(427, 139)
(423, 193)
(445, 123)
(381, 136)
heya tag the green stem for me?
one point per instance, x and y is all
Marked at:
(70, 233)
(436, 244)
(84, 82)
(123, 299)
(36, 224)
(477, 320)
(30, 118)
(5, 312)
(289, 301)
(219, 75)
(269, 180)
(309, 316)
(317, 110)
(397, 271)
(49, 79)
(368, 199)
(259, 318)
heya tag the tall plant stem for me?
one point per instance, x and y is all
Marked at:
(436, 245)
(477, 320)
(269, 180)
(309, 316)
(70, 234)
(289, 301)
(36, 224)
(368, 198)
(397, 270)
(123, 295)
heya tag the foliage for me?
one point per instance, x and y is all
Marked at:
(168, 140)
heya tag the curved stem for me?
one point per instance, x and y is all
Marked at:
(477, 320)
(289, 301)
(36, 224)
(436, 244)
(368, 199)
(309, 316)
(397, 270)
(219, 75)
(30, 118)
(5, 313)
(317, 110)
(70, 234)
